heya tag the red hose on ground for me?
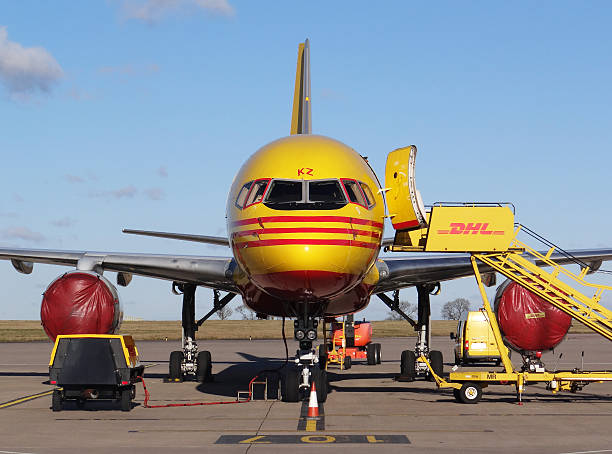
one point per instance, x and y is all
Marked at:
(192, 404)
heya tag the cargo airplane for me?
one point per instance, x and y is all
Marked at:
(305, 217)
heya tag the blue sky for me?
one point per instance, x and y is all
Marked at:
(138, 114)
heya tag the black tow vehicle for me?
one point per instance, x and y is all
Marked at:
(94, 366)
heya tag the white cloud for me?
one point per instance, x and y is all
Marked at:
(129, 69)
(22, 233)
(25, 70)
(73, 178)
(125, 192)
(151, 11)
(155, 193)
(63, 222)
(162, 171)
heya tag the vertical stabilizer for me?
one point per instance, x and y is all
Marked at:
(300, 120)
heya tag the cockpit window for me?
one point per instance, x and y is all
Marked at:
(257, 192)
(354, 192)
(368, 194)
(305, 195)
(325, 191)
(285, 191)
(242, 194)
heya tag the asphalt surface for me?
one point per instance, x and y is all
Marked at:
(367, 409)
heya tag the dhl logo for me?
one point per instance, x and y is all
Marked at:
(477, 228)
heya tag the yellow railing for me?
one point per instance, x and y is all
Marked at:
(515, 264)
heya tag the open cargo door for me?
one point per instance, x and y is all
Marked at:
(404, 202)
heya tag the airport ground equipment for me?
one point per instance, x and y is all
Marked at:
(347, 340)
(94, 366)
(489, 234)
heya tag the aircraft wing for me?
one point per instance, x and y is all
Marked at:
(214, 272)
(399, 272)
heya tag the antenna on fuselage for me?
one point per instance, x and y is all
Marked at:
(300, 120)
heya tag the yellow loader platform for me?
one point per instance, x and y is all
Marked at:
(489, 234)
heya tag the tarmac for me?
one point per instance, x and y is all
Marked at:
(367, 409)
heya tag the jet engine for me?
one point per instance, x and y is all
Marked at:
(527, 322)
(80, 302)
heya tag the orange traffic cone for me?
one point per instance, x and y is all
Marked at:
(313, 403)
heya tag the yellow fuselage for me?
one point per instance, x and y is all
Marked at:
(311, 251)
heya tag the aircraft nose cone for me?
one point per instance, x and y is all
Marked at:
(305, 284)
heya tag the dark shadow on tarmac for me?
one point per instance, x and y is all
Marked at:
(24, 374)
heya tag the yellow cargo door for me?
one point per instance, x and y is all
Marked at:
(404, 202)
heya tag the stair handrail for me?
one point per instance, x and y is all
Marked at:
(547, 261)
(550, 244)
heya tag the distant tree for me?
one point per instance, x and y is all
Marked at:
(245, 312)
(453, 310)
(408, 308)
(225, 313)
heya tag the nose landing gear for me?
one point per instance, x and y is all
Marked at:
(296, 382)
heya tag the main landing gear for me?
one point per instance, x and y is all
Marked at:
(189, 363)
(296, 381)
(410, 368)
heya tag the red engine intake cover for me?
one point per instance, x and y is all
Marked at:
(80, 303)
(527, 322)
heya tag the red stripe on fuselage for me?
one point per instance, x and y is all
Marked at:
(344, 219)
(405, 225)
(306, 241)
(273, 230)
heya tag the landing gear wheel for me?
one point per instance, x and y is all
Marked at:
(348, 362)
(470, 393)
(378, 353)
(290, 386)
(320, 380)
(175, 371)
(322, 356)
(57, 403)
(204, 367)
(437, 364)
(126, 399)
(273, 385)
(371, 354)
(408, 370)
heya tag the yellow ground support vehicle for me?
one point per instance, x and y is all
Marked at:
(488, 233)
(474, 340)
(94, 366)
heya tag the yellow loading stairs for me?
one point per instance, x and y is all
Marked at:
(489, 234)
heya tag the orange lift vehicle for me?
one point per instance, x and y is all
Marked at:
(346, 340)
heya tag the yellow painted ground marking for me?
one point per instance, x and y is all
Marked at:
(311, 425)
(21, 400)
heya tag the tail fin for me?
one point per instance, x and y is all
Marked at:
(300, 120)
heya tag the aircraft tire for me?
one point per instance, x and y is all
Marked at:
(470, 393)
(408, 365)
(290, 386)
(273, 380)
(174, 366)
(204, 366)
(57, 403)
(436, 362)
(378, 353)
(322, 356)
(320, 380)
